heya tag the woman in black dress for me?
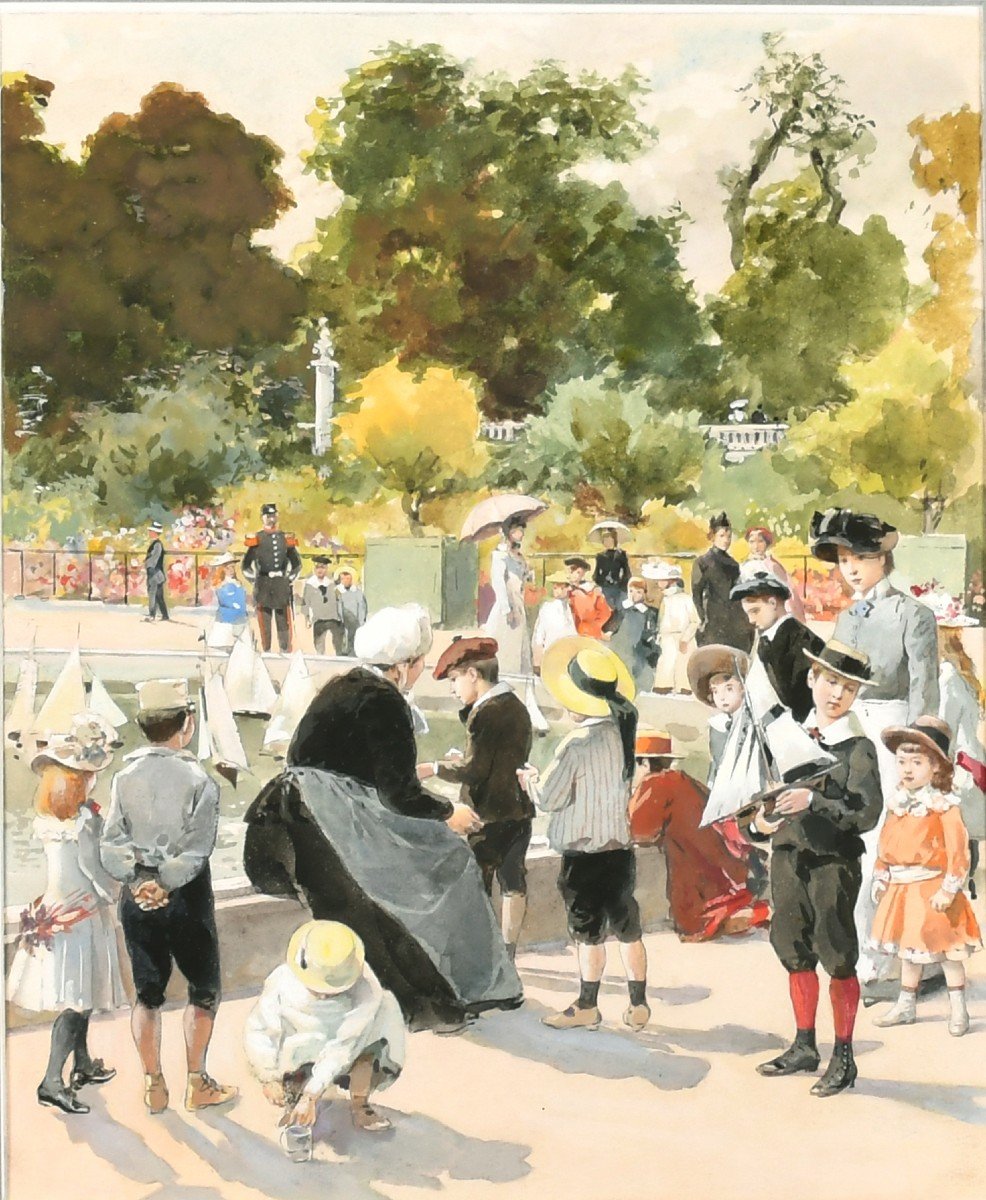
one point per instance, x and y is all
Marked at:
(714, 575)
(348, 829)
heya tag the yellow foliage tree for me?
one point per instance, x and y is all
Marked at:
(418, 434)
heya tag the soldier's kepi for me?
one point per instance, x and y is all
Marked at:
(272, 564)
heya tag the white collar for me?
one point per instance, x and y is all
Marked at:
(721, 721)
(640, 606)
(877, 592)
(163, 751)
(921, 802)
(587, 586)
(839, 731)
(771, 633)
(326, 582)
(589, 721)
(498, 689)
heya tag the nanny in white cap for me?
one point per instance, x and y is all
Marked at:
(335, 829)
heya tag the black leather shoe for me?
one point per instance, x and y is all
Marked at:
(97, 1072)
(63, 1098)
(839, 1074)
(801, 1056)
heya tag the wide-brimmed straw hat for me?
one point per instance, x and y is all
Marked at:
(572, 664)
(930, 733)
(654, 743)
(327, 956)
(85, 748)
(715, 659)
(661, 571)
(224, 560)
(844, 661)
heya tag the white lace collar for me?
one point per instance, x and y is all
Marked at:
(918, 804)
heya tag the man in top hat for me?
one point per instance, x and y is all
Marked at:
(154, 569)
(898, 635)
(159, 833)
(714, 575)
(588, 604)
(586, 789)
(499, 734)
(272, 564)
(320, 604)
(817, 837)
(779, 640)
(352, 608)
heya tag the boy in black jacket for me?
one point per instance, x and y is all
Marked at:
(815, 868)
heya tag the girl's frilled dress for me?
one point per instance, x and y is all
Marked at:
(507, 621)
(923, 847)
(67, 955)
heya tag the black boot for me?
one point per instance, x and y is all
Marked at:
(840, 1073)
(801, 1055)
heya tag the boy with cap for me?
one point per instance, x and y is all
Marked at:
(159, 833)
(554, 619)
(587, 792)
(352, 608)
(779, 640)
(154, 569)
(589, 608)
(499, 743)
(272, 564)
(815, 874)
(323, 1020)
(320, 604)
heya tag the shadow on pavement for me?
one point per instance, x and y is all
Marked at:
(563, 981)
(962, 1103)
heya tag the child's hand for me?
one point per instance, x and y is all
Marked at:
(305, 1112)
(527, 776)
(762, 825)
(877, 888)
(794, 801)
(464, 820)
(942, 901)
(275, 1093)
(424, 771)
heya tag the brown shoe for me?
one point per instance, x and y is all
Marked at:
(155, 1093)
(636, 1016)
(366, 1117)
(574, 1018)
(204, 1092)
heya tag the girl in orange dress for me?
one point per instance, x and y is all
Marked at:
(922, 915)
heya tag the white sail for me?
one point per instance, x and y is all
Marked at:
(795, 754)
(103, 704)
(66, 699)
(204, 750)
(538, 720)
(20, 719)
(227, 748)
(742, 773)
(248, 683)
(297, 692)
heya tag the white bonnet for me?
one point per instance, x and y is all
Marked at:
(394, 635)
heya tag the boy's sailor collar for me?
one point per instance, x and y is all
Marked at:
(878, 591)
(839, 731)
(587, 586)
(640, 606)
(771, 633)
(721, 722)
(498, 689)
(163, 751)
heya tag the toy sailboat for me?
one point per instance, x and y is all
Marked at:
(20, 719)
(297, 692)
(219, 739)
(66, 700)
(103, 705)
(248, 682)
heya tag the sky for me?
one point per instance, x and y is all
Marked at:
(266, 65)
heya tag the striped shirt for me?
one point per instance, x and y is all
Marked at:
(585, 792)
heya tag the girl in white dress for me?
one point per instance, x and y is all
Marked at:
(66, 960)
(678, 625)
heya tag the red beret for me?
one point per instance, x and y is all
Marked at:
(463, 651)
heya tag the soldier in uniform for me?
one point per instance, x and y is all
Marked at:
(154, 567)
(272, 564)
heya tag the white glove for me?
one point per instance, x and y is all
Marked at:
(877, 888)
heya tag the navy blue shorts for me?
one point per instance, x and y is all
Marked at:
(598, 892)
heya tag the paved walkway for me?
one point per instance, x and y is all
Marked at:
(514, 1110)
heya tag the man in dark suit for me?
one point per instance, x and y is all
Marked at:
(499, 743)
(780, 640)
(154, 567)
(272, 564)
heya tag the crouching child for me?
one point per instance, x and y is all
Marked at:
(322, 1022)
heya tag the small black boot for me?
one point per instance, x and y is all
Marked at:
(840, 1073)
(801, 1055)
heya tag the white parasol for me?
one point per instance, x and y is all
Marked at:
(488, 516)
(617, 528)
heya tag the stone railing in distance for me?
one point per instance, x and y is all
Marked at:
(740, 441)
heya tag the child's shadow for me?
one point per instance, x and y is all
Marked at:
(417, 1153)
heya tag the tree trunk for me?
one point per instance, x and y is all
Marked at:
(739, 199)
(932, 511)
(411, 506)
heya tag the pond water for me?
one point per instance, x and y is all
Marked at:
(24, 874)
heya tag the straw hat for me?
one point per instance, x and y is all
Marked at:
(224, 560)
(653, 743)
(557, 577)
(85, 748)
(163, 695)
(930, 733)
(709, 661)
(394, 635)
(326, 956)
(843, 660)
(592, 660)
(661, 571)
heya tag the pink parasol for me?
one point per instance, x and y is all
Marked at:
(489, 515)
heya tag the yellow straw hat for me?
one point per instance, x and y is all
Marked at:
(326, 956)
(595, 661)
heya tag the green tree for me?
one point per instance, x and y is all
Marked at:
(465, 236)
(807, 116)
(604, 448)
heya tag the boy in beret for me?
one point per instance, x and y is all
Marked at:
(500, 736)
(817, 836)
(779, 639)
(159, 833)
(589, 607)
